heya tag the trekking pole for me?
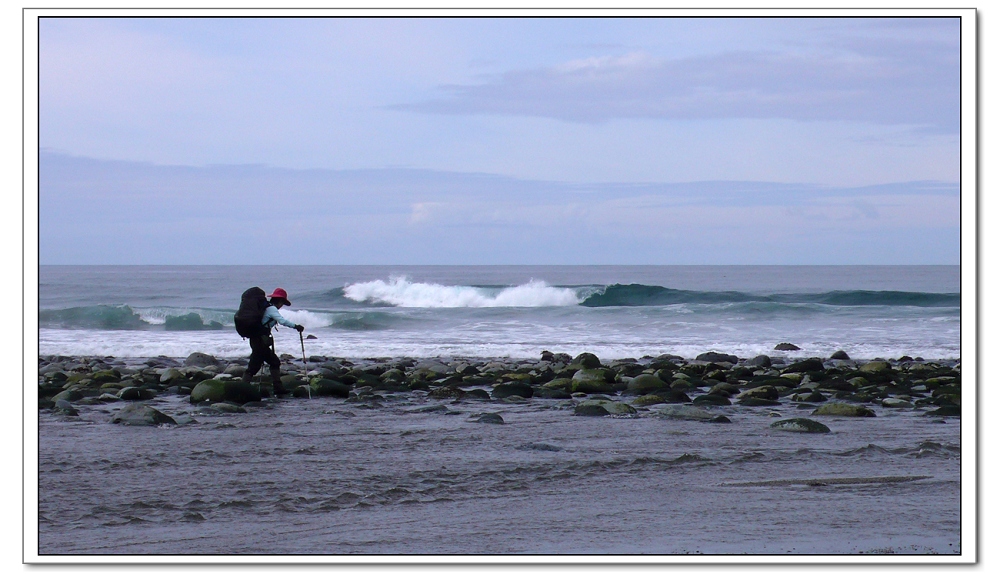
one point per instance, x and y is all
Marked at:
(303, 344)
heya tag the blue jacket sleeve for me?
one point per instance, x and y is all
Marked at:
(272, 317)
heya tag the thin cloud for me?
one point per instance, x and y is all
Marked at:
(882, 81)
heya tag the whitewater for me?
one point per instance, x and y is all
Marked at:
(487, 311)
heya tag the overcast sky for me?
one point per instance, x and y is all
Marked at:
(482, 141)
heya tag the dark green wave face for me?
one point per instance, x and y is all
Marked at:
(627, 295)
(190, 322)
(889, 298)
(97, 317)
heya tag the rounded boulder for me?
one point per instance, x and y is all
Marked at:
(843, 409)
(645, 383)
(137, 414)
(198, 359)
(591, 381)
(800, 425)
(510, 388)
(586, 361)
(216, 390)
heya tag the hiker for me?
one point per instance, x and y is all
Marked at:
(261, 341)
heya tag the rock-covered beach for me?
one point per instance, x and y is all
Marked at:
(707, 385)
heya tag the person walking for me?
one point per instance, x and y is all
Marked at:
(262, 344)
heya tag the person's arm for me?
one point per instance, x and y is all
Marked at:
(272, 313)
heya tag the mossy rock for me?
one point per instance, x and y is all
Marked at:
(897, 403)
(681, 385)
(800, 425)
(323, 387)
(590, 410)
(69, 394)
(446, 392)
(585, 361)
(77, 378)
(561, 383)
(761, 392)
(290, 381)
(650, 399)
(510, 388)
(490, 418)
(758, 402)
(198, 359)
(391, 376)
(135, 393)
(687, 413)
(804, 366)
(592, 381)
(838, 384)
(171, 375)
(546, 393)
(65, 408)
(216, 390)
(843, 409)
(812, 396)
(609, 407)
(714, 357)
(711, 399)
(672, 395)
(47, 391)
(875, 368)
(137, 414)
(363, 380)
(724, 389)
(946, 410)
(645, 383)
(106, 376)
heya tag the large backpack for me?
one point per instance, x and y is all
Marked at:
(250, 315)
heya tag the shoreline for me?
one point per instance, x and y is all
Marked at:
(709, 381)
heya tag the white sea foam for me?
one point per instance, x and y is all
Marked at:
(401, 292)
(307, 319)
(158, 316)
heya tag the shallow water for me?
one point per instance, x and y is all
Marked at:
(326, 476)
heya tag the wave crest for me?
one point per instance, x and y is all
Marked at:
(401, 292)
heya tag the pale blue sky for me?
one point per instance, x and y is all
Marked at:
(530, 131)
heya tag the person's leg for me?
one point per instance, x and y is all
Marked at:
(275, 363)
(257, 354)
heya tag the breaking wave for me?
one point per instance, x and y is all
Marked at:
(401, 292)
(339, 307)
(129, 318)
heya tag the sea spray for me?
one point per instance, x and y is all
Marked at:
(401, 292)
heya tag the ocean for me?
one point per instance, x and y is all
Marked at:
(509, 311)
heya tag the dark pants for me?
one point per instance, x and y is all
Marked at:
(261, 351)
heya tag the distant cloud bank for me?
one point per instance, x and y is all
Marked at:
(115, 212)
(888, 81)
